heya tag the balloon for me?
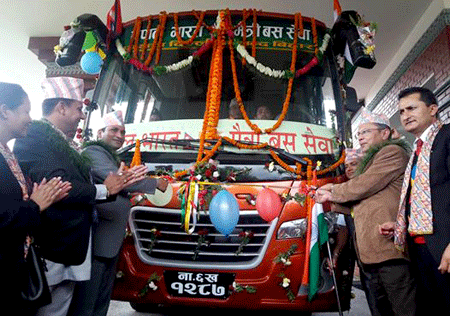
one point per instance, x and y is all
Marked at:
(268, 204)
(224, 212)
(91, 63)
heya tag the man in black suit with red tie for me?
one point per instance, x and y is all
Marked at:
(423, 221)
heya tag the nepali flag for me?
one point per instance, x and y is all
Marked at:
(114, 20)
(337, 10)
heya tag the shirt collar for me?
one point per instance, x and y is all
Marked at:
(424, 135)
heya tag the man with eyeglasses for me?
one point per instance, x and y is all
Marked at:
(374, 194)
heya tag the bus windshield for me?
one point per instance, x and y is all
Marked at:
(162, 109)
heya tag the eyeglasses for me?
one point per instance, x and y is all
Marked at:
(367, 131)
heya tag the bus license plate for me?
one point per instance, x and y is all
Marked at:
(198, 284)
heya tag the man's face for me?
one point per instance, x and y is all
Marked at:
(370, 134)
(234, 111)
(73, 114)
(415, 115)
(114, 136)
(263, 113)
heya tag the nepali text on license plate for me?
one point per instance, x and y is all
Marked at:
(198, 284)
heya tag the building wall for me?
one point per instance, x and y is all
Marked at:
(430, 69)
(432, 65)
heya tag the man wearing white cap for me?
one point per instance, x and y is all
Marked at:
(48, 151)
(92, 297)
(374, 194)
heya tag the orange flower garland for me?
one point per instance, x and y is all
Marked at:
(314, 33)
(214, 93)
(197, 29)
(145, 45)
(134, 39)
(161, 36)
(254, 127)
(237, 91)
(215, 85)
(157, 41)
(255, 24)
(136, 161)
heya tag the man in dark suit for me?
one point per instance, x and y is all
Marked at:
(92, 297)
(423, 221)
(49, 151)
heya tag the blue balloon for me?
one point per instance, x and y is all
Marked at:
(91, 63)
(224, 212)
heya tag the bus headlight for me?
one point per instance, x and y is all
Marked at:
(292, 229)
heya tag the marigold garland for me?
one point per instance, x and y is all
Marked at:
(213, 98)
(254, 127)
(136, 161)
(197, 29)
(255, 23)
(145, 45)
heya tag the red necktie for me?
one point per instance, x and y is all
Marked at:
(419, 144)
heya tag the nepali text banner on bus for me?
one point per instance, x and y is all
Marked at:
(271, 32)
(293, 137)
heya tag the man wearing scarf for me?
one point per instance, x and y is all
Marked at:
(48, 151)
(92, 297)
(423, 221)
(373, 194)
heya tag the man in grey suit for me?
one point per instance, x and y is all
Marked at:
(92, 297)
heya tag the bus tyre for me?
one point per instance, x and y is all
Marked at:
(144, 307)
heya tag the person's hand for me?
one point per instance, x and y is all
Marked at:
(138, 173)
(48, 192)
(331, 264)
(161, 184)
(326, 187)
(444, 267)
(387, 229)
(322, 196)
(115, 182)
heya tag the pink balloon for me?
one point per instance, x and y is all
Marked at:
(268, 204)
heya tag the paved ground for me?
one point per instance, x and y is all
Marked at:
(358, 308)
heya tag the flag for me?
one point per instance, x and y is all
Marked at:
(114, 20)
(337, 9)
(319, 236)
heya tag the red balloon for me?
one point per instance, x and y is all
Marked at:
(268, 204)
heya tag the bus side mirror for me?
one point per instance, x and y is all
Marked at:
(351, 100)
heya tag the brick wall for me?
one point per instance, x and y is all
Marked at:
(433, 62)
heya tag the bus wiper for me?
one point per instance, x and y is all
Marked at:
(279, 151)
(187, 144)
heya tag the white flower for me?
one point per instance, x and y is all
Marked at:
(216, 174)
(286, 262)
(199, 177)
(120, 48)
(325, 42)
(251, 60)
(152, 286)
(286, 282)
